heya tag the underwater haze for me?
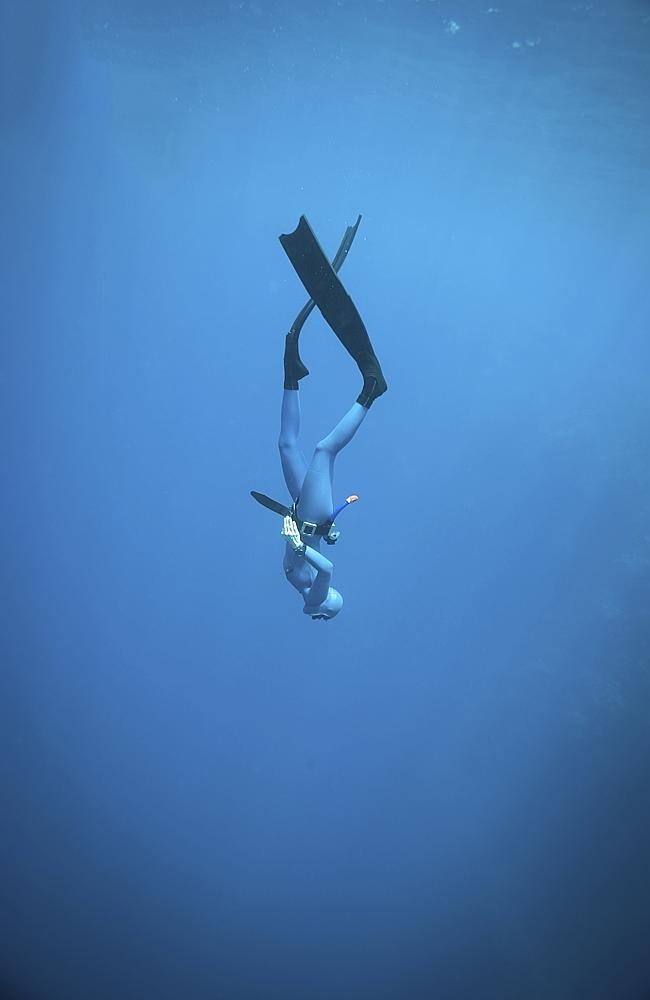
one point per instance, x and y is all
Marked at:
(445, 793)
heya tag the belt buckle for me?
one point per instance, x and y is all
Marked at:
(308, 528)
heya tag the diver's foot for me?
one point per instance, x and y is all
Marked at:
(294, 369)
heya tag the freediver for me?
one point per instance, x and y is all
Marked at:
(310, 519)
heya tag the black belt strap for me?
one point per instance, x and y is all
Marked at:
(304, 527)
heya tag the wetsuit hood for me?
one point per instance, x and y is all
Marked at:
(329, 608)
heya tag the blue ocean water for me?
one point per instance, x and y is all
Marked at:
(443, 794)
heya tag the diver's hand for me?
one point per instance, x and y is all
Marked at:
(292, 535)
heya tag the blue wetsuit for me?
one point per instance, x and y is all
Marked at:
(311, 485)
(310, 572)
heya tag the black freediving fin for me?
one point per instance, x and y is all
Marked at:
(294, 367)
(324, 286)
(337, 263)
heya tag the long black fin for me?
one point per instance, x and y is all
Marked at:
(337, 308)
(337, 263)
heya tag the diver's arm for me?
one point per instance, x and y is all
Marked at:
(317, 593)
(319, 588)
(312, 556)
(316, 559)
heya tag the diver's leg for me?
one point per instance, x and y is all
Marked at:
(344, 431)
(316, 502)
(294, 464)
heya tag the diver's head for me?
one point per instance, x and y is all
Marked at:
(330, 606)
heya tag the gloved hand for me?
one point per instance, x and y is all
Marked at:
(292, 535)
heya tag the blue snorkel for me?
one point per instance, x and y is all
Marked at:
(343, 505)
(332, 536)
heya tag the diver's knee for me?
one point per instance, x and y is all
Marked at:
(324, 446)
(286, 444)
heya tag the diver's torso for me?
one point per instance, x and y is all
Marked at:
(298, 572)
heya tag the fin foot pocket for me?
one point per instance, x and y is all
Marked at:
(373, 388)
(294, 369)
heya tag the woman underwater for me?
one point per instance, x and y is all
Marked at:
(311, 517)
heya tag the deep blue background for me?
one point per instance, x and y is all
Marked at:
(443, 794)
